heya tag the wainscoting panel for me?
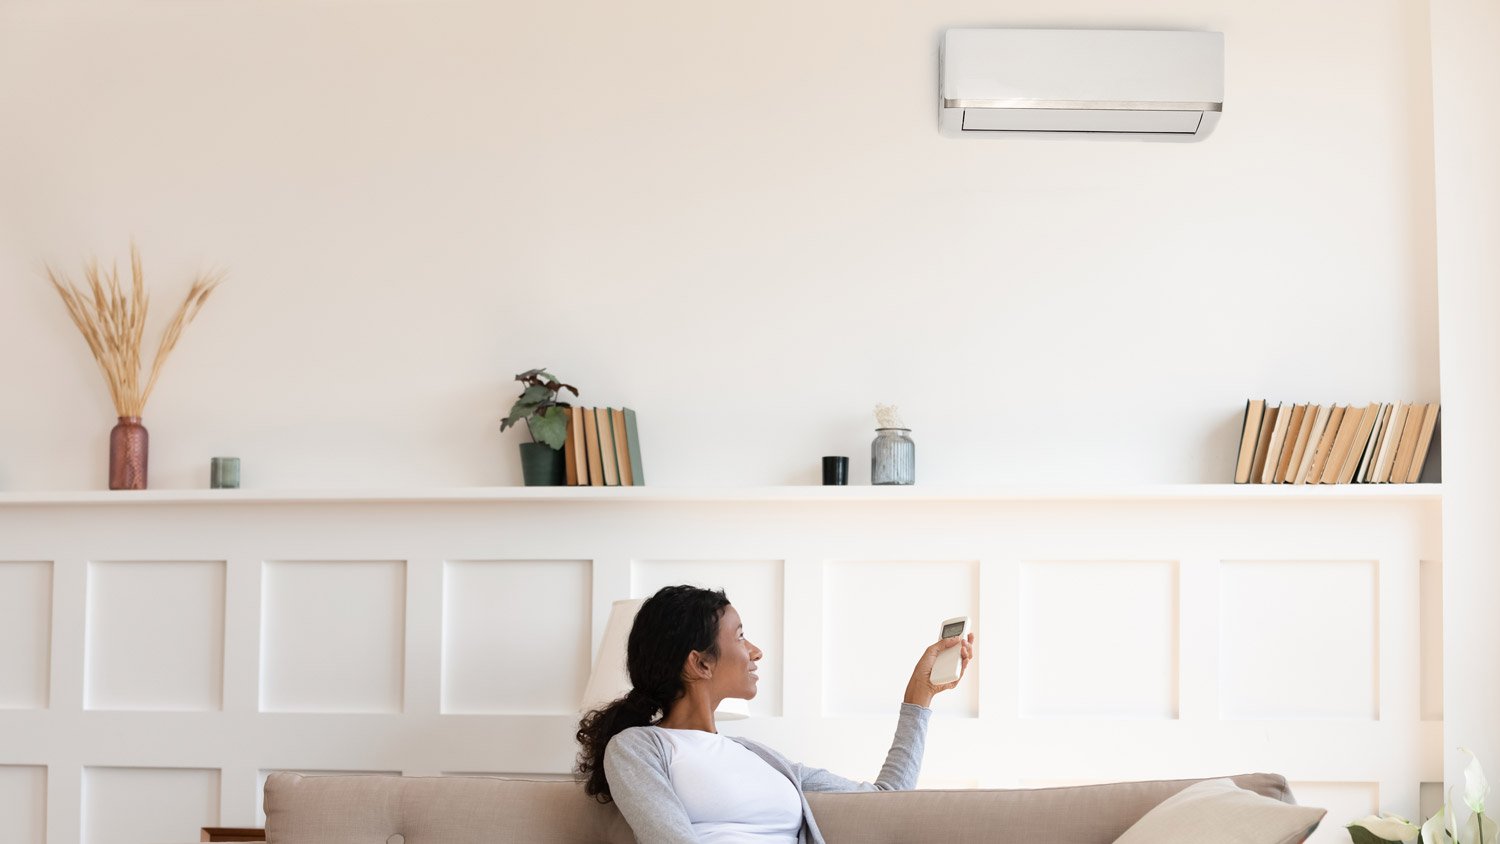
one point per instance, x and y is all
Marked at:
(23, 803)
(147, 805)
(25, 634)
(1118, 639)
(155, 638)
(1345, 801)
(1300, 639)
(332, 636)
(511, 642)
(754, 588)
(879, 616)
(1099, 639)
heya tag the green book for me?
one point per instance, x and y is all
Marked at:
(633, 443)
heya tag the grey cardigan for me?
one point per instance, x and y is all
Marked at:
(635, 762)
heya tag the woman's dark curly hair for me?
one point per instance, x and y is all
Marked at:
(674, 622)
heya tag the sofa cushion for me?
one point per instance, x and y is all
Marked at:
(1220, 812)
(1091, 814)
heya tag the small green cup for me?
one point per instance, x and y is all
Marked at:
(224, 473)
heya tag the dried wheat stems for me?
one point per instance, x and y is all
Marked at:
(113, 323)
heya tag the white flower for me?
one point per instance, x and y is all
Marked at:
(1475, 786)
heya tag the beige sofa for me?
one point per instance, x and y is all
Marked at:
(484, 810)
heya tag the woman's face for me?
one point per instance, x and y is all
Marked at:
(734, 673)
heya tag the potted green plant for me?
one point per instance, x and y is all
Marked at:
(546, 419)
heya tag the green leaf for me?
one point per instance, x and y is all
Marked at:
(534, 395)
(1378, 830)
(551, 427)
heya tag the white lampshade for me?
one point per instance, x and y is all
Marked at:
(610, 679)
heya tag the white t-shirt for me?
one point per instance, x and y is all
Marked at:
(731, 795)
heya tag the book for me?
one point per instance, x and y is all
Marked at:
(622, 448)
(1406, 449)
(1424, 443)
(1341, 444)
(633, 442)
(1263, 443)
(573, 447)
(1293, 429)
(1357, 446)
(1249, 430)
(1308, 442)
(1382, 434)
(1325, 442)
(1387, 456)
(591, 442)
(1278, 444)
(1367, 459)
(607, 447)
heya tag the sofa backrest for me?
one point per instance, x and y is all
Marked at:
(482, 810)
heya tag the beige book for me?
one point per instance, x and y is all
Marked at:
(1387, 456)
(1293, 429)
(1249, 430)
(1307, 442)
(1296, 447)
(1382, 437)
(622, 450)
(1278, 444)
(1325, 443)
(1263, 443)
(1360, 443)
(575, 451)
(1367, 460)
(607, 458)
(1341, 443)
(1407, 448)
(591, 444)
(1424, 442)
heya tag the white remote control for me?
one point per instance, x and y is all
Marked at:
(949, 665)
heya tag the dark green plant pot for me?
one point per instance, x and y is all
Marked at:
(542, 465)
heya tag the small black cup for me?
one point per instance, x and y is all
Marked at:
(835, 471)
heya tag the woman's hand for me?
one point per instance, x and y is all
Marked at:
(921, 688)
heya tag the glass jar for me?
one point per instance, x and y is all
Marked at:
(893, 457)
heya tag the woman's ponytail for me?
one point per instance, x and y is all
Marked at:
(674, 622)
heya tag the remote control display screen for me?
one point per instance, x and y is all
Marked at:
(953, 630)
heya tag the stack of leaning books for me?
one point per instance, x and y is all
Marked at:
(603, 447)
(1336, 444)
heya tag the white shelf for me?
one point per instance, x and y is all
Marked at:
(772, 494)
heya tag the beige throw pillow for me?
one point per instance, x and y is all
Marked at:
(1220, 812)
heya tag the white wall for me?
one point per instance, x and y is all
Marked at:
(1465, 71)
(740, 221)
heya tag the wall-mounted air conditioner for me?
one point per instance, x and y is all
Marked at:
(1081, 83)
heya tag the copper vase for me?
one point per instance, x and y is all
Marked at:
(128, 443)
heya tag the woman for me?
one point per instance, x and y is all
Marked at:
(675, 779)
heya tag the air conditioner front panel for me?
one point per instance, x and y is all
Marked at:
(1114, 121)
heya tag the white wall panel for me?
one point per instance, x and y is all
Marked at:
(25, 634)
(878, 618)
(511, 639)
(1098, 639)
(1432, 639)
(155, 636)
(754, 588)
(148, 805)
(1345, 802)
(337, 623)
(333, 636)
(23, 804)
(1299, 639)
